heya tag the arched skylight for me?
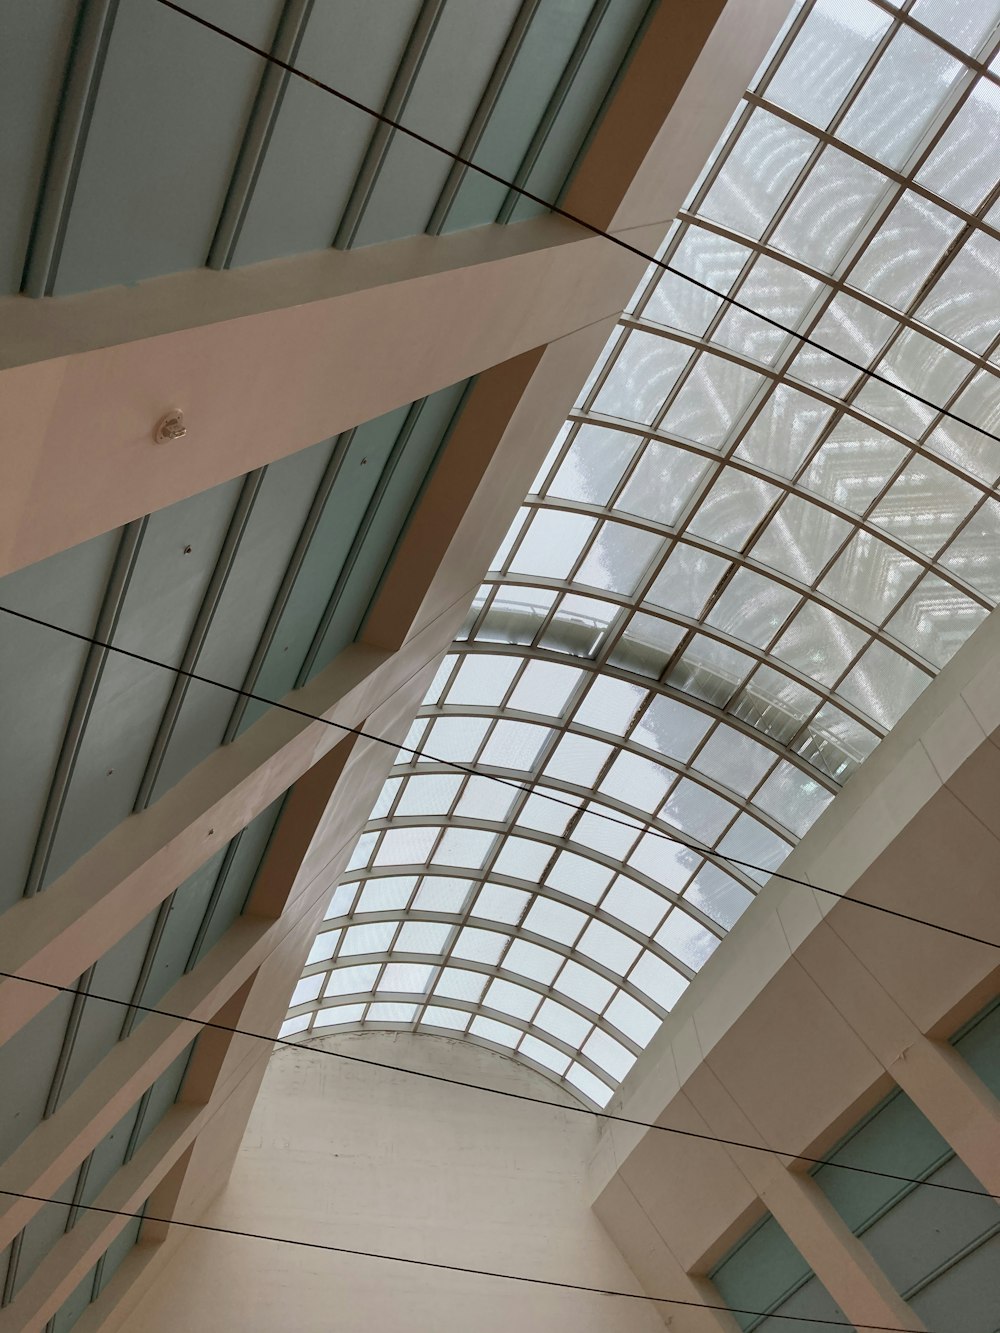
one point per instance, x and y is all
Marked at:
(739, 565)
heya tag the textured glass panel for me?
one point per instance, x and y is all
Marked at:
(718, 895)
(828, 53)
(714, 260)
(513, 532)
(500, 1033)
(548, 812)
(611, 1055)
(455, 740)
(829, 209)
(618, 558)
(482, 679)
(323, 948)
(613, 836)
(463, 847)
(733, 508)
(671, 727)
(484, 799)
(340, 903)
(544, 687)
(711, 400)
(687, 580)
(898, 259)
(925, 505)
(686, 939)
(523, 858)
(514, 744)
(532, 961)
(351, 980)
(636, 781)
(608, 946)
(441, 893)
(979, 405)
(801, 539)
(662, 483)
(883, 684)
(385, 799)
(711, 671)
(343, 1013)
(647, 645)
(515, 614)
(578, 759)
(783, 431)
(662, 983)
(594, 465)
(410, 977)
(775, 704)
(936, 619)
(391, 1013)
(589, 1085)
(966, 161)
(777, 291)
(963, 303)
(734, 759)
(501, 903)
(665, 860)
(753, 607)
(962, 24)
(511, 999)
(632, 1018)
(374, 937)
(437, 1016)
(584, 985)
(479, 946)
(422, 937)
(404, 846)
(757, 174)
(793, 798)
(925, 367)
(974, 555)
(386, 894)
(554, 919)
(552, 543)
(854, 464)
(457, 983)
(760, 850)
(909, 83)
(610, 704)
(697, 811)
(429, 795)
(307, 989)
(835, 743)
(855, 332)
(563, 1023)
(820, 644)
(579, 624)
(644, 373)
(635, 905)
(545, 1054)
(870, 577)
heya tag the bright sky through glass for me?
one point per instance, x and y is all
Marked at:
(737, 568)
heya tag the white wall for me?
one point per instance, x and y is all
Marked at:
(371, 1159)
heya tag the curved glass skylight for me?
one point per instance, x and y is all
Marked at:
(739, 565)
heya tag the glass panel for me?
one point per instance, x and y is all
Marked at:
(935, 620)
(757, 174)
(711, 671)
(753, 607)
(646, 370)
(552, 544)
(671, 727)
(610, 705)
(714, 260)
(647, 645)
(733, 508)
(618, 558)
(907, 245)
(662, 483)
(687, 580)
(734, 759)
(966, 161)
(594, 465)
(828, 211)
(870, 577)
(801, 539)
(784, 430)
(713, 397)
(883, 684)
(482, 679)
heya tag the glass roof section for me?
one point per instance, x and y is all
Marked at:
(740, 563)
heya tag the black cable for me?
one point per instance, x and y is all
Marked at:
(499, 1092)
(466, 162)
(708, 853)
(457, 1268)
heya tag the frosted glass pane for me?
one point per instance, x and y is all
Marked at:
(916, 363)
(611, 1055)
(614, 839)
(635, 905)
(610, 704)
(974, 555)
(372, 938)
(698, 812)
(559, 922)
(422, 937)
(323, 948)
(437, 1016)
(647, 645)
(632, 1018)
(545, 687)
(608, 946)
(387, 894)
(428, 795)
(711, 400)
(590, 1086)
(793, 798)
(753, 607)
(352, 980)
(963, 303)
(662, 983)
(563, 1023)
(936, 619)
(584, 986)
(579, 624)
(966, 161)
(962, 24)
(385, 798)
(671, 727)
(757, 174)
(646, 370)
(718, 895)
(829, 209)
(687, 580)
(441, 893)
(479, 946)
(344, 1013)
(516, 614)
(547, 811)
(511, 999)
(405, 846)
(687, 939)
(713, 260)
(976, 453)
(909, 83)
(463, 847)
(777, 291)
(735, 760)
(410, 977)
(775, 704)
(501, 903)
(514, 744)
(578, 759)
(340, 903)
(820, 644)
(883, 684)
(482, 679)
(638, 782)
(899, 258)
(749, 841)
(457, 983)
(925, 505)
(733, 508)
(594, 465)
(618, 558)
(665, 861)
(835, 743)
(800, 539)
(870, 577)
(484, 799)
(662, 483)
(456, 739)
(307, 989)
(783, 431)
(500, 1033)
(827, 55)
(854, 464)
(552, 544)
(546, 1055)
(852, 330)
(523, 858)
(711, 671)
(391, 1013)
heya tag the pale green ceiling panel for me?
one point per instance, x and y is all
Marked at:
(39, 1236)
(27, 1064)
(75, 1304)
(979, 1045)
(318, 144)
(39, 675)
(459, 60)
(240, 613)
(166, 128)
(175, 560)
(541, 60)
(36, 41)
(966, 1294)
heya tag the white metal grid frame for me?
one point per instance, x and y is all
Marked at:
(740, 563)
